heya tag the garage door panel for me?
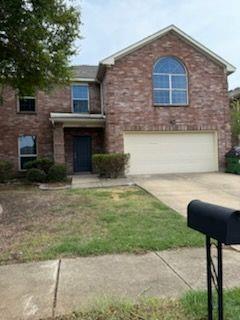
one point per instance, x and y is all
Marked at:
(171, 152)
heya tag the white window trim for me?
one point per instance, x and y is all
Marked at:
(25, 155)
(81, 99)
(26, 97)
(170, 89)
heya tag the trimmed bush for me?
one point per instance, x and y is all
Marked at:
(36, 175)
(43, 164)
(6, 168)
(57, 172)
(110, 165)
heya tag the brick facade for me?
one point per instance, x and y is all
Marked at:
(128, 105)
(94, 98)
(13, 123)
(128, 100)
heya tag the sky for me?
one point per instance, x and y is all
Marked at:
(111, 25)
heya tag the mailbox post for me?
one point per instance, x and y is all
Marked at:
(223, 225)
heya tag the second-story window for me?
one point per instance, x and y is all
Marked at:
(170, 83)
(80, 98)
(27, 104)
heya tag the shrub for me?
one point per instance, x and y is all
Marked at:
(57, 172)
(6, 168)
(43, 164)
(111, 165)
(36, 175)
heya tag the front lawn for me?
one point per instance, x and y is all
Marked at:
(40, 225)
(192, 306)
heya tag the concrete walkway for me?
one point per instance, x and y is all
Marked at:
(39, 290)
(177, 190)
(92, 181)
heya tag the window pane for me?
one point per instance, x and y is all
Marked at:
(169, 65)
(80, 92)
(160, 81)
(27, 145)
(80, 106)
(161, 96)
(26, 104)
(25, 160)
(179, 82)
(179, 97)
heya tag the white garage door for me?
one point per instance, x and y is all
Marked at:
(172, 152)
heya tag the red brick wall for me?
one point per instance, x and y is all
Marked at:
(128, 95)
(94, 97)
(69, 133)
(14, 124)
(128, 102)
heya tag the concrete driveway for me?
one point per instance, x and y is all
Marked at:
(177, 190)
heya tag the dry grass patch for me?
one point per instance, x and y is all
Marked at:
(192, 306)
(148, 309)
(40, 225)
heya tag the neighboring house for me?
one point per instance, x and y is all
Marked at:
(234, 94)
(164, 100)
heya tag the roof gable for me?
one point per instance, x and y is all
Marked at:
(111, 59)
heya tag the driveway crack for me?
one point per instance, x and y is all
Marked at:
(175, 272)
(56, 288)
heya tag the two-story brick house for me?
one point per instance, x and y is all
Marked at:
(164, 100)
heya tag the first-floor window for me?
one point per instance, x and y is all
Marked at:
(27, 104)
(27, 150)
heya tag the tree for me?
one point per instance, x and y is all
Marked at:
(235, 119)
(36, 42)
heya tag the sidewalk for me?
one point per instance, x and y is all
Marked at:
(38, 290)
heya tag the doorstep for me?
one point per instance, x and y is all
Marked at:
(93, 181)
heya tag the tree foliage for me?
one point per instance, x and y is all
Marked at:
(36, 42)
(235, 117)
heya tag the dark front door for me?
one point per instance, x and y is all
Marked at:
(82, 154)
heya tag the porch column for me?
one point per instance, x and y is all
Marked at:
(58, 144)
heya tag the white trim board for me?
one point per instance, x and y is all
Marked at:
(83, 79)
(111, 59)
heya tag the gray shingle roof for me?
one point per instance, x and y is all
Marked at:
(235, 93)
(85, 71)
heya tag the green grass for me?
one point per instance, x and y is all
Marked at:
(43, 225)
(192, 306)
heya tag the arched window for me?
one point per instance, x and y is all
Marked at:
(169, 82)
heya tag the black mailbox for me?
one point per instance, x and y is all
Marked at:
(222, 224)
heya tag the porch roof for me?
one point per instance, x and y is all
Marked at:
(78, 119)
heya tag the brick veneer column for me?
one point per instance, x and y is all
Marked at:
(58, 144)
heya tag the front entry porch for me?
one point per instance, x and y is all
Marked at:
(80, 145)
(75, 139)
